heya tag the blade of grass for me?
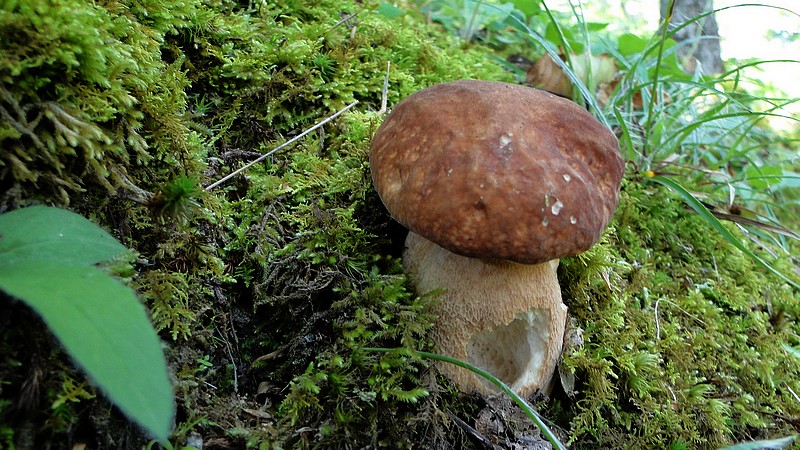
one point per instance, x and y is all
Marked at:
(528, 409)
(656, 80)
(566, 66)
(698, 206)
(673, 141)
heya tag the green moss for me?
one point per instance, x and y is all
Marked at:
(119, 108)
(315, 254)
(267, 288)
(86, 96)
(684, 344)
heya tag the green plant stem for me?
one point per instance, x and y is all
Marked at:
(528, 409)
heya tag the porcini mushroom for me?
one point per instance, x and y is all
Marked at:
(495, 182)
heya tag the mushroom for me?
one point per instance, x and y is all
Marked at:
(495, 182)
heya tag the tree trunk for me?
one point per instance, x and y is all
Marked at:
(700, 39)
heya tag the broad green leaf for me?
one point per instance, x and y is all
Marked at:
(554, 33)
(698, 206)
(105, 329)
(764, 177)
(527, 7)
(596, 26)
(628, 44)
(40, 232)
(389, 11)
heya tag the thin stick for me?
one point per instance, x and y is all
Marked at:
(345, 19)
(285, 144)
(658, 327)
(790, 390)
(233, 362)
(385, 91)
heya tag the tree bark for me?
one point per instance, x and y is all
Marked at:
(700, 47)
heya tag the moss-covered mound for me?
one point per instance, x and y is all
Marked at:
(267, 288)
(683, 343)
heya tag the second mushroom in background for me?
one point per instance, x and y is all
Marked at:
(495, 182)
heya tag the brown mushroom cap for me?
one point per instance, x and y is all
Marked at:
(497, 170)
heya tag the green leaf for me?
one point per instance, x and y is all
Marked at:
(629, 44)
(389, 11)
(698, 206)
(596, 26)
(554, 33)
(39, 232)
(47, 258)
(764, 177)
(105, 329)
(527, 7)
(772, 444)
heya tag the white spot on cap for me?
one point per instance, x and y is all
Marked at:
(556, 208)
(567, 177)
(449, 171)
(573, 220)
(482, 185)
(506, 149)
(545, 221)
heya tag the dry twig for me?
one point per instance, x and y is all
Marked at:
(285, 144)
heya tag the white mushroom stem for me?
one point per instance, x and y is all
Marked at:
(504, 317)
